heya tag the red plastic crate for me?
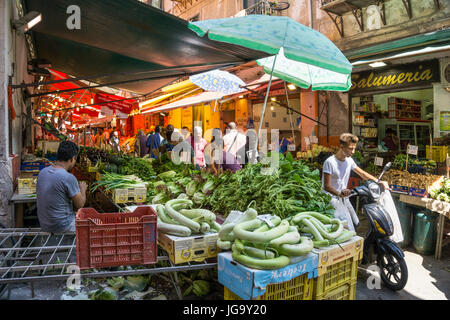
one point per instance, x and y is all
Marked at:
(115, 239)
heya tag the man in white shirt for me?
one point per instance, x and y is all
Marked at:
(234, 140)
(335, 176)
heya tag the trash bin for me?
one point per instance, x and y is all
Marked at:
(425, 232)
(405, 215)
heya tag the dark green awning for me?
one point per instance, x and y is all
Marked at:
(431, 39)
(126, 40)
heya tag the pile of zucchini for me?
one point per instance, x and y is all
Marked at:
(323, 230)
(256, 245)
(178, 218)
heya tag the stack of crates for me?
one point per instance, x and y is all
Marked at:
(299, 288)
(292, 282)
(437, 153)
(335, 276)
(338, 270)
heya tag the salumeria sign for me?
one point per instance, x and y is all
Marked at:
(401, 76)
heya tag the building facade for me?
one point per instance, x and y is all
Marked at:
(363, 31)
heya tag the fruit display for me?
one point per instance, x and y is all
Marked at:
(441, 192)
(404, 178)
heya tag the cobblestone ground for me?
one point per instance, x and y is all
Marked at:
(429, 279)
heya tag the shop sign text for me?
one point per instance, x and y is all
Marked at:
(398, 77)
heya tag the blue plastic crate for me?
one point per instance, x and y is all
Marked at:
(248, 283)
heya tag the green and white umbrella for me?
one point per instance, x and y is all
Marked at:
(305, 75)
(306, 57)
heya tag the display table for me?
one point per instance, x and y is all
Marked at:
(441, 207)
(18, 201)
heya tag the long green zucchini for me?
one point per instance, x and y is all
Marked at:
(345, 236)
(226, 230)
(258, 253)
(264, 264)
(300, 249)
(243, 231)
(290, 237)
(194, 213)
(194, 226)
(176, 230)
(224, 245)
(312, 228)
(321, 228)
(163, 216)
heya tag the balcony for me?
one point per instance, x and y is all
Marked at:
(336, 8)
(265, 7)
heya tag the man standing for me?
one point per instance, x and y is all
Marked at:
(153, 143)
(234, 141)
(140, 146)
(335, 176)
(115, 142)
(59, 193)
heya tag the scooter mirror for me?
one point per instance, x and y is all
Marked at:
(386, 168)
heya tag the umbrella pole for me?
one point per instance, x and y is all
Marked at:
(267, 96)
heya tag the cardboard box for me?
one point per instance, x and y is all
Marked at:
(137, 195)
(26, 183)
(193, 248)
(250, 283)
(337, 253)
(417, 192)
(399, 189)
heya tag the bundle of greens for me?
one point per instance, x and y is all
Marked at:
(292, 188)
(111, 181)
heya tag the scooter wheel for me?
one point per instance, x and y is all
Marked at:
(393, 271)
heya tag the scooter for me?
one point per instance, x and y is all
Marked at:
(377, 245)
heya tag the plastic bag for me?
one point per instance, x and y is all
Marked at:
(342, 211)
(388, 204)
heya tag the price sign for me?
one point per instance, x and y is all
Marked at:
(314, 139)
(412, 149)
(378, 161)
(291, 147)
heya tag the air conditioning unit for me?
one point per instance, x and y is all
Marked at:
(445, 72)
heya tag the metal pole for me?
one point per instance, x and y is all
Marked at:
(267, 96)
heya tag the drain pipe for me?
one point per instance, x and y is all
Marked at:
(311, 14)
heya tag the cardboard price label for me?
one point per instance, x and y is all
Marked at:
(314, 139)
(412, 150)
(378, 161)
(291, 147)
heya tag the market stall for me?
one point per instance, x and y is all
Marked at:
(147, 216)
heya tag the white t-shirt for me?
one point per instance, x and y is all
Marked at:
(232, 146)
(339, 170)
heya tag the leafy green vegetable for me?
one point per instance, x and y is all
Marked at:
(104, 294)
(135, 283)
